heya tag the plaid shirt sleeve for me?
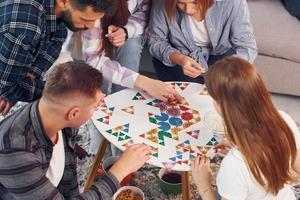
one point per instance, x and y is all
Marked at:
(22, 52)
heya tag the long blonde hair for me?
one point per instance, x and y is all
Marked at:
(252, 122)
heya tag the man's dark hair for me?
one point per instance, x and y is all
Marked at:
(72, 77)
(105, 6)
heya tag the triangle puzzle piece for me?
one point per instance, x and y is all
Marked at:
(204, 149)
(212, 142)
(173, 159)
(169, 165)
(182, 86)
(129, 110)
(194, 134)
(130, 142)
(108, 111)
(104, 120)
(138, 96)
(187, 162)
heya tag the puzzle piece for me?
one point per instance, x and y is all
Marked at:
(184, 153)
(129, 110)
(154, 151)
(182, 86)
(169, 165)
(156, 136)
(108, 111)
(138, 96)
(204, 149)
(104, 120)
(212, 142)
(120, 132)
(130, 142)
(194, 134)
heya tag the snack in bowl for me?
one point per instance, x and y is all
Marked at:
(129, 193)
(126, 195)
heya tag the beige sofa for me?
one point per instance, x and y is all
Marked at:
(278, 40)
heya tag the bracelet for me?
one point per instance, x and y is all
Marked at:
(126, 32)
(205, 191)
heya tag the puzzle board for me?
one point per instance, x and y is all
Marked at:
(175, 132)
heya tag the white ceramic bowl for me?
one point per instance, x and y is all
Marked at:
(135, 190)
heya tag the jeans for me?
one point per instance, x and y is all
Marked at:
(175, 73)
(129, 56)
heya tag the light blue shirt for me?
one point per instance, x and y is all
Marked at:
(228, 25)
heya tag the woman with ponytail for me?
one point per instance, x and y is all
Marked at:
(265, 143)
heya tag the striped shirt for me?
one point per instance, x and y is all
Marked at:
(30, 41)
(25, 154)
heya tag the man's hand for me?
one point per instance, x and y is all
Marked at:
(5, 106)
(189, 66)
(116, 35)
(133, 158)
(157, 89)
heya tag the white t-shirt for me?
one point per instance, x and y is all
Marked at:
(199, 32)
(234, 181)
(57, 163)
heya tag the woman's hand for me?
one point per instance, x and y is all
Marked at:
(189, 66)
(201, 173)
(133, 158)
(157, 89)
(223, 147)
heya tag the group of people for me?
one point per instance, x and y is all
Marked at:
(56, 55)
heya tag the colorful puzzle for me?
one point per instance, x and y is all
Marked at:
(175, 132)
(173, 119)
(120, 132)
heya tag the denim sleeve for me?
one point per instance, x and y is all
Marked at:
(158, 41)
(242, 37)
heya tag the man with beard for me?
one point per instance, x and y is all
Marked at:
(31, 37)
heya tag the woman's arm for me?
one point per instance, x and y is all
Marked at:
(158, 40)
(242, 37)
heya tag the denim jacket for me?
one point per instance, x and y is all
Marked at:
(228, 25)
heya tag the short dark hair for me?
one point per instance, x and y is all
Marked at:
(72, 77)
(105, 6)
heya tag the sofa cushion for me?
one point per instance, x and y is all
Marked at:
(277, 32)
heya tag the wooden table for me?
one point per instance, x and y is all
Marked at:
(175, 132)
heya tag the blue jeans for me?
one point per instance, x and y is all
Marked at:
(175, 73)
(129, 56)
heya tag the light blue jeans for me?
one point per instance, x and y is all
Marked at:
(129, 56)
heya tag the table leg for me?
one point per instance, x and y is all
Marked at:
(185, 185)
(94, 168)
